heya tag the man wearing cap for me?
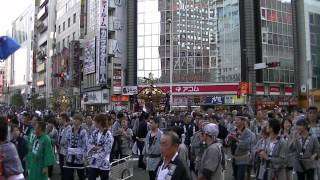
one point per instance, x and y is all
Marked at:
(307, 150)
(210, 167)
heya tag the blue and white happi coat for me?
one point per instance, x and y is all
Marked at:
(99, 149)
(76, 145)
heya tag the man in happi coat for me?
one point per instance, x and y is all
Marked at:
(42, 155)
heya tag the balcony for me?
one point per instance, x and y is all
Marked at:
(42, 26)
(43, 12)
(41, 67)
(42, 55)
(43, 3)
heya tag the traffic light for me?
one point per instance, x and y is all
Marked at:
(59, 75)
(273, 64)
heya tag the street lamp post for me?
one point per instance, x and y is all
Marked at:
(171, 61)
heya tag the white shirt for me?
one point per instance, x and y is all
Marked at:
(271, 147)
(164, 172)
(99, 136)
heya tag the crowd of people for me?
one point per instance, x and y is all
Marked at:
(202, 145)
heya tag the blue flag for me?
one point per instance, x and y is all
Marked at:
(7, 47)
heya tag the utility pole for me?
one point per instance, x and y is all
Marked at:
(169, 21)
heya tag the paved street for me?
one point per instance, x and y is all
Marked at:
(139, 174)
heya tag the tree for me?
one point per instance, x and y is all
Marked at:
(38, 103)
(17, 100)
(60, 101)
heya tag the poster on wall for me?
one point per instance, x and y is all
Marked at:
(103, 42)
(89, 64)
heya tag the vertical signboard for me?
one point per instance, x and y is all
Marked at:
(75, 60)
(83, 17)
(103, 42)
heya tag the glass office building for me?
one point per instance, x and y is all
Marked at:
(314, 26)
(277, 40)
(205, 35)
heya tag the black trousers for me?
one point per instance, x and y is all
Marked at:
(140, 145)
(116, 148)
(61, 164)
(50, 171)
(69, 172)
(94, 173)
(239, 171)
(306, 175)
(152, 175)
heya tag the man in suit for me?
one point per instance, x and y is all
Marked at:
(171, 167)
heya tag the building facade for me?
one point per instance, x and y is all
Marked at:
(277, 44)
(308, 13)
(104, 50)
(45, 17)
(66, 59)
(19, 65)
(203, 49)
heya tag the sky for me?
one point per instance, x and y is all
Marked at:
(9, 11)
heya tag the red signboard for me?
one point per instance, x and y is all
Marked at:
(274, 90)
(260, 90)
(201, 88)
(288, 90)
(121, 98)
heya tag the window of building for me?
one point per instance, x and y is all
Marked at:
(74, 18)
(311, 18)
(68, 40)
(59, 29)
(74, 36)
(58, 46)
(69, 22)
(63, 43)
(63, 26)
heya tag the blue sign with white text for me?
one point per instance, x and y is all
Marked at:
(215, 100)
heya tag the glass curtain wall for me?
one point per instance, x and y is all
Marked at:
(277, 40)
(205, 36)
(314, 25)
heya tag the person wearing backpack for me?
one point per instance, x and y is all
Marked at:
(211, 162)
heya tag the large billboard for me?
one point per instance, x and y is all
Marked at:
(89, 64)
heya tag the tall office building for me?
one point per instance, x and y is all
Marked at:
(210, 47)
(19, 65)
(308, 13)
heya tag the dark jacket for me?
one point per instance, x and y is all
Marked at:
(22, 147)
(180, 171)
(142, 129)
(189, 130)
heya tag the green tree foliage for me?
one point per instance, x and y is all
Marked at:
(38, 103)
(17, 100)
